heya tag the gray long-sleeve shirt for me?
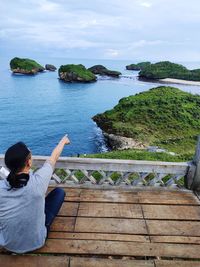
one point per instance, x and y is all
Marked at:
(22, 217)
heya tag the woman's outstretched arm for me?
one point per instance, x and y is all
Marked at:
(58, 150)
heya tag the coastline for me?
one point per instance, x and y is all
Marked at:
(179, 81)
(117, 142)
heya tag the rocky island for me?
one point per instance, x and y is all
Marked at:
(75, 73)
(138, 66)
(25, 66)
(50, 67)
(164, 116)
(166, 69)
(101, 70)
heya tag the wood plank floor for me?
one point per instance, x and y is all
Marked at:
(118, 227)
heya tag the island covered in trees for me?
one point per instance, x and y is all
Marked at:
(163, 116)
(75, 73)
(167, 69)
(25, 66)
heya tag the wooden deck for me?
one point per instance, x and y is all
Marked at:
(122, 228)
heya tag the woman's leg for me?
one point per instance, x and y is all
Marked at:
(53, 203)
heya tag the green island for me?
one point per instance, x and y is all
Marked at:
(164, 116)
(138, 66)
(25, 66)
(167, 69)
(101, 70)
(75, 73)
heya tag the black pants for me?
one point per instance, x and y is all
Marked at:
(53, 203)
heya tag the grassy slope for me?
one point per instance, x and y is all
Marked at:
(25, 64)
(163, 116)
(80, 70)
(166, 69)
(136, 154)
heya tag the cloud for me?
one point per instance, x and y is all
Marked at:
(48, 6)
(112, 29)
(111, 53)
(146, 4)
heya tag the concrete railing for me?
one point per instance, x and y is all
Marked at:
(71, 171)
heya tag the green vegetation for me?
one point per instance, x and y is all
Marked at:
(166, 69)
(163, 116)
(78, 73)
(138, 154)
(138, 66)
(25, 66)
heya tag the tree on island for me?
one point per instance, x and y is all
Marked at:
(167, 69)
(25, 66)
(75, 73)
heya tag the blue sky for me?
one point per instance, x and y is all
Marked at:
(105, 29)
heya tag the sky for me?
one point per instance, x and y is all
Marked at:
(102, 29)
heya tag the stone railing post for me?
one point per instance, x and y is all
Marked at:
(193, 178)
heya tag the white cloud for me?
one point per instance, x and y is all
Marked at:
(111, 53)
(146, 4)
(48, 6)
(113, 29)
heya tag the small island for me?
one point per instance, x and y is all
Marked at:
(164, 116)
(25, 66)
(138, 66)
(167, 70)
(101, 70)
(50, 67)
(75, 73)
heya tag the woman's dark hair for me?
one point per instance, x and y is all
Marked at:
(15, 159)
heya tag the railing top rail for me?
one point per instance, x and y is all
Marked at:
(37, 159)
(113, 165)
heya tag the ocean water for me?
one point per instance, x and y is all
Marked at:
(40, 109)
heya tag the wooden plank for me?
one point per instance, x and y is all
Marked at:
(33, 261)
(91, 247)
(110, 225)
(63, 224)
(182, 228)
(72, 194)
(183, 198)
(98, 262)
(176, 239)
(69, 209)
(72, 198)
(99, 236)
(171, 212)
(176, 263)
(109, 196)
(110, 210)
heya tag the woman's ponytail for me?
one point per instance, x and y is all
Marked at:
(12, 178)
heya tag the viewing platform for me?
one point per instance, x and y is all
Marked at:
(121, 213)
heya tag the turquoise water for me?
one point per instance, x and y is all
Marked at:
(40, 109)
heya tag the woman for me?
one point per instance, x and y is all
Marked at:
(25, 213)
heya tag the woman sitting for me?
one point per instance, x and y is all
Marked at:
(25, 213)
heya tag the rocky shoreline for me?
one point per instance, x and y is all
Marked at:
(118, 142)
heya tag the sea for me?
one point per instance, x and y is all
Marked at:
(40, 109)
